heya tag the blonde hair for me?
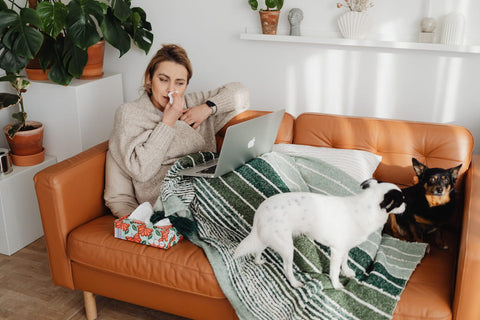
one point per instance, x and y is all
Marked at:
(168, 52)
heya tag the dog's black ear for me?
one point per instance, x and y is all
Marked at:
(368, 183)
(418, 167)
(454, 173)
(392, 199)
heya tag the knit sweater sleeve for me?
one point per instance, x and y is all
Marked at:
(230, 99)
(140, 141)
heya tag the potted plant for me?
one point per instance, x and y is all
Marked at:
(25, 138)
(66, 32)
(269, 16)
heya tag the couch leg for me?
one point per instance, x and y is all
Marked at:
(90, 305)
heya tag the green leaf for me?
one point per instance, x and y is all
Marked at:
(10, 62)
(46, 55)
(8, 100)
(75, 59)
(253, 4)
(271, 3)
(121, 9)
(3, 5)
(21, 37)
(14, 129)
(114, 33)
(20, 84)
(20, 116)
(12, 78)
(81, 22)
(279, 4)
(140, 29)
(58, 71)
(143, 40)
(7, 18)
(53, 17)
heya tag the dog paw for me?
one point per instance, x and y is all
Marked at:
(337, 285)
(443, 246)
(296, 284)
(427, 249)
(348, 273)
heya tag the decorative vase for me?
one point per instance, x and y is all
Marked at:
(269, 21)
(27, 146)
(453, 29)
(354, 25)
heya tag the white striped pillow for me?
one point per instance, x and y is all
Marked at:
(357, 163)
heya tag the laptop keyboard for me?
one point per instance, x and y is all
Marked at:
(209, 169)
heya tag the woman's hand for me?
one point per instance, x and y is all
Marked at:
(174, 111)
(196, 115)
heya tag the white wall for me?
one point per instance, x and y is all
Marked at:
(413, 85)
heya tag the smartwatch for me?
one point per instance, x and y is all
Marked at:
(212, 105)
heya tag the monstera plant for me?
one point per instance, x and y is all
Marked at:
(59, 33)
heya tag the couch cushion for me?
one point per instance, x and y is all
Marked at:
(428, 294)
(183, 267)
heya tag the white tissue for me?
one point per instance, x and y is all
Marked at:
(162, 223)
(142, 213)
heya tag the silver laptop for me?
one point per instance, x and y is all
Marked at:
(243, 142)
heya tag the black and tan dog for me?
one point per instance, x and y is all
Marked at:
(430, 205)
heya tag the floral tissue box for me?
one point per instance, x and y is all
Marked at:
(156, 236)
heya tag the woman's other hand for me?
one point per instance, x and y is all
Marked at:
(196, 115)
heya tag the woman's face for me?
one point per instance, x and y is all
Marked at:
(168, 76)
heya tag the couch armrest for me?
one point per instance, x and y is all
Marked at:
(467, 294)
(70, 193)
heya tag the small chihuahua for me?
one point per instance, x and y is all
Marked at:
(430, 205)
(338, 222)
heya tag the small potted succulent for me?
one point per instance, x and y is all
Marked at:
(25, 138)
(269, 16)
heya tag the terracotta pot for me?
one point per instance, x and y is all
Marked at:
(28, 142)
(94, 67)
(269, 20)
(30, 160)
(36, 74)
(34, 70)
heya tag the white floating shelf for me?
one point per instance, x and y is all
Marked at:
(396, 45)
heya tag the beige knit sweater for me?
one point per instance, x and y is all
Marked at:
(142, 148)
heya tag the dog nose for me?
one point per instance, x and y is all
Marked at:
(439, 189)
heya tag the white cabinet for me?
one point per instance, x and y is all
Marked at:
(76, 117)
(20, 222)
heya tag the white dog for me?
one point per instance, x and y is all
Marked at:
(340, 223)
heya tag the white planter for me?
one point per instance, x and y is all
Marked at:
(354, 25)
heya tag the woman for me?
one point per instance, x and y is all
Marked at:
(151, 133)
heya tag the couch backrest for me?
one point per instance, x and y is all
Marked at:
(435, 145)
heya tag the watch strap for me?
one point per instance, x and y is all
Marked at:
(212, 105)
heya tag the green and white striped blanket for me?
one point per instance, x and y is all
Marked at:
(223, 209)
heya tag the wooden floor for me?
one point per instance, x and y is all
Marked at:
(27, 292)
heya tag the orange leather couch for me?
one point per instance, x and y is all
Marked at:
(84, 255)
